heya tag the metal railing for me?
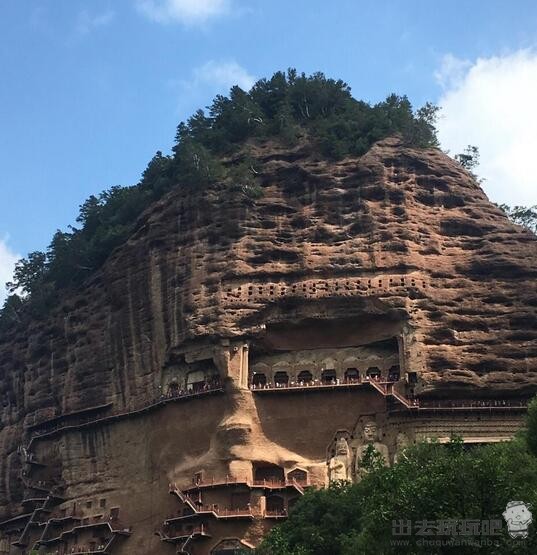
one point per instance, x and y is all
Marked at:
(472, 404)
(307, 385)
(234, 480)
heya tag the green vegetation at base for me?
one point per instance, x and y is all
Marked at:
(286, 108)
(430, 482)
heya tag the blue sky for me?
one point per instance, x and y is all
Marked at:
(89, 90)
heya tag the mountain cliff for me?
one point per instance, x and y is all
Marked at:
(408, 228)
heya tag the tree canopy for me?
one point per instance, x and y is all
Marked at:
(469, 159)
(525, 216)
(430, 482)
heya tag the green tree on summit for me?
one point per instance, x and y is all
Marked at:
(29, 274)
(525, 216)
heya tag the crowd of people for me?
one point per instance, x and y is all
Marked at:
(316, 382)
(475, 403)
(78, 549)
(173, 390)
(392, 378)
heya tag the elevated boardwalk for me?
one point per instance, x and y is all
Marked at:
(198, 509)
(182, 539)
(401, 403)
(113, 525)
(250, 484)
(147, 407)
(207, 510)
(68, 415)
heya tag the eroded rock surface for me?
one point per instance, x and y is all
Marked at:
(399, 245)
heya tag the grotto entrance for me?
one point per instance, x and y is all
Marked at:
(267, 472)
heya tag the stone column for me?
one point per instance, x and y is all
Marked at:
(238, 364)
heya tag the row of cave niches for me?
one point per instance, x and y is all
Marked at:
(327, 377)
(319, 288)
(210, 507)
(48, 525)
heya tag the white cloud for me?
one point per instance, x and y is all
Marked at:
(491, 103)
(451, 71)
(86, 21)
(7, 264)
(206, 81)
(222, 75)
(188, 12)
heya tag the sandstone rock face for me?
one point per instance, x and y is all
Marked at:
(347, 290)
